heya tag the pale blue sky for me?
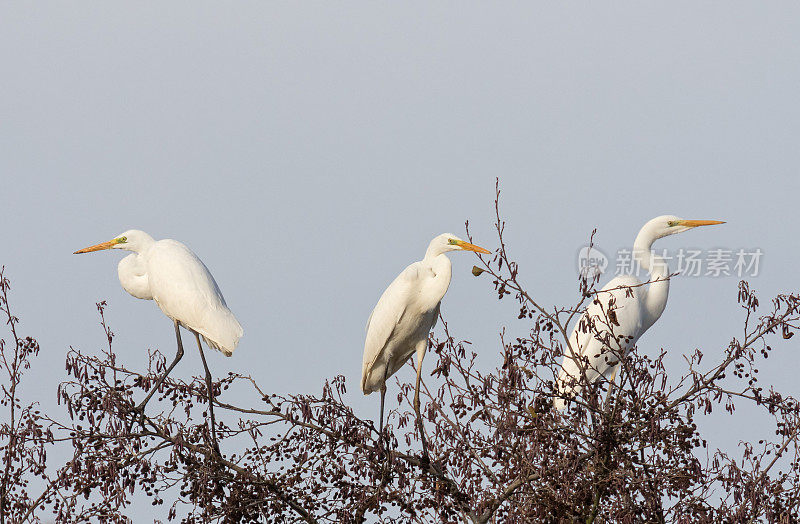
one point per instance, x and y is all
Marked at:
(308, 151)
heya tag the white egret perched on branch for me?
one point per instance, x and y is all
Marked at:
(167, 272)
(406, 312)
(620, 313)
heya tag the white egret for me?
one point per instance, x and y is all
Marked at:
(406, 312)
(167, 272)
(620, 313)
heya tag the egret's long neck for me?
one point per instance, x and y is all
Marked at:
(434, 250)
(133, 270)
(655, 293)
(133, 276)
(442, 270)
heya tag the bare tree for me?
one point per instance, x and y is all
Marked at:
(629, 451)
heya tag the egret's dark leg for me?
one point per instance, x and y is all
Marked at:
(420, 356)
(383, 397)
(210, 391)
(612, 385)
(178, 356)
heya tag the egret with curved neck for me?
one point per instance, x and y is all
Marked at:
(169, 273)
(622, 311)
(406, 312)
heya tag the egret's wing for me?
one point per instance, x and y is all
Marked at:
(436, 315)
(603, 333)
(369, 320)
(184, 289)
(386, 315)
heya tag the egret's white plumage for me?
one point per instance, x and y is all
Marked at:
(406, 312)
(620, 313)
(167, 272)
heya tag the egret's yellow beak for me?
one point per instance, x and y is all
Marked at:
(698, 223)
(466, 246)
(98, 247)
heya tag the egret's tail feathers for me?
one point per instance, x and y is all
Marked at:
(374, 378)
(224, 335)
(218, 347)
(366, 386)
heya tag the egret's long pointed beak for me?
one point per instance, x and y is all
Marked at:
(698, 223)
(98, 247)
(466, 246)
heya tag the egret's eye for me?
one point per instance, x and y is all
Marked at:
(122, 240)
(452, 242)
(673, 223)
